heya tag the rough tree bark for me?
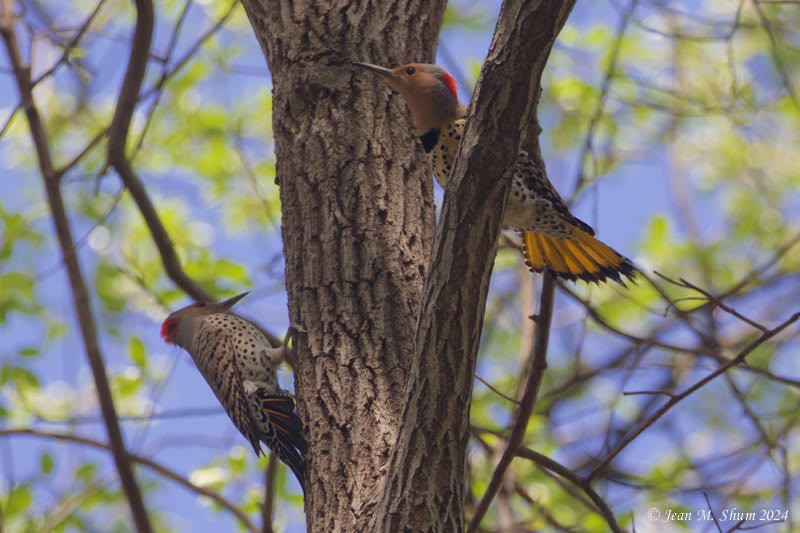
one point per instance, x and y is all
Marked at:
(424, 488)
(358, 223)
(357, 228)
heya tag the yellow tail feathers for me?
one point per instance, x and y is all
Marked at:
(580, 257)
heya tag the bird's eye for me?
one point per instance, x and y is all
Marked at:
(201, 304)
(172, 327)
(410, 70)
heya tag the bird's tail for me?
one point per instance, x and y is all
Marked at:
(287, 440)
(580, 257)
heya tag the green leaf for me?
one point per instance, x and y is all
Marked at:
(128, 384)
(29, 352)
(137, 351)
(19, 499)
(231, 270)
(46, 463)
(86, 472)
(209, 476)
(16, 294)
(19, 376)
(237, 460)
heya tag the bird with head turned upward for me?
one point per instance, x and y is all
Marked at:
(553, 239)
(240, 365)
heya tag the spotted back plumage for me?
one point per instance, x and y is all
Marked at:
(533, 203)
(554, 240)
(239, 364)
(229, 354)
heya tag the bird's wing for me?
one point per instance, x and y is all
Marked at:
(287, 440)
(535, 181)
(216, 361)
(280, 408)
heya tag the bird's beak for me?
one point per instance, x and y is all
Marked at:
(227, 304)
(385, 72)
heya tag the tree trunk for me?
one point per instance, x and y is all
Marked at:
(385, 374)
(358, 220)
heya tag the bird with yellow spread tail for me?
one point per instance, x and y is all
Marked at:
(554, 240)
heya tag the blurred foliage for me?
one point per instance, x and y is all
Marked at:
(676, 127)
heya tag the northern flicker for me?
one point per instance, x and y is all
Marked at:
(240, 366)
(553, 239)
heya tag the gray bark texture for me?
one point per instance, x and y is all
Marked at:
(384, 375)
(426, 476)
(358, 222)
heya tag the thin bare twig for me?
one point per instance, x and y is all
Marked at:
(713, 300)
(173, 41)
(191, 412)
(9, 120)
(166, 73)
(605, 87)
(556, 468)
(68, 47)
(495, 390)
(584, 484)
(52, 269)
(525, 406)
(144, 461)
(650, 340)
(678, 397)
(648, 393)
(268, 505)
(251, 176)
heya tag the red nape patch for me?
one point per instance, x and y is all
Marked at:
(448, 80)
(168, 329)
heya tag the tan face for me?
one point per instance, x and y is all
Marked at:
(429, 91)
(413, 78)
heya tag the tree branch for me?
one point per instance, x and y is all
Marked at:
(435, 421)
(72, 44)
(80, 295)
(714, 301)
(678, 397)
(117, 138)
(144, 461)
(585, 485)
(269, 494)
(525, 407)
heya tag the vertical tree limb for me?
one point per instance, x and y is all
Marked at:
(268, 505)
(427, 470)
(525, 406)
(80, 295)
